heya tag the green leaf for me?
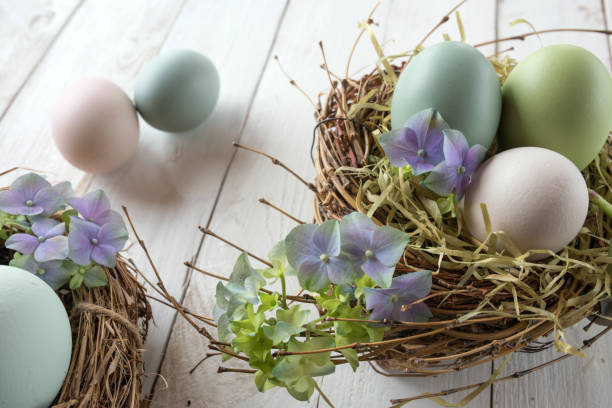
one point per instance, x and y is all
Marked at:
(262, 381)
(302, 389)
(364, 282)
(289, 323)
(76, 281)
(225, 357)
(268, 301)
(447, 205)
(95, 277)
(291, 368)
(256, 346)
(352, 357)
(223, 330)
(245, 281)
(66, 217)
(278, 259)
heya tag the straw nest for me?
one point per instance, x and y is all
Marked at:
(485, 304)
(109, 325)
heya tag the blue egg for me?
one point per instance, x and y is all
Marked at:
(177, 90)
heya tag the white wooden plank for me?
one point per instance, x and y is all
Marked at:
(173, 180)
(28, 29)
(280, 123)
(575, 382)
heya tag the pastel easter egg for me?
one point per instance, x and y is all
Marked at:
(95, 126)
(35, 340)
(560, 98)
(536, 196)
(177, 90)
(459, 82)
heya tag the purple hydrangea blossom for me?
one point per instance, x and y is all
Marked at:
(314, 251)
(395, 303)
(48, 243)
(89, 242)
(418, 143)
(375, 250)
(31, 195)
(95, 207)
(53, 272)
(455, 172)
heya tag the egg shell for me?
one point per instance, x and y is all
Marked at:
(35, 340)
(560, 98)
(536, 196)
(177, 90)
(95, 126)
(458, 81)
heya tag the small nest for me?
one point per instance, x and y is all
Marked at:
(109, 326)
(485, 304)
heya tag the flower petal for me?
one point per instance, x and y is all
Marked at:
(380, 273)
(28, 185)
(442, 179)
(415, 313)
(299, 245)
(326, 237)
(64, 189)
(14, 203)
(113, 235)
(110, 217)
(356, 231)
(92, 205)
(377, 300)
(462, 183)
(47, 228)
(23, 243)
(55, 248)
(55, 274)
(473, 157)
(340, 271)
(417, 284)
(89, 229)
(25, 262)
(313, 275)
(79, 240)
(400, 146)
(104, 255)
(49, 199)
(388, 244)
(455, 147)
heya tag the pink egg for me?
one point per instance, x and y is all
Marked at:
(95, 126)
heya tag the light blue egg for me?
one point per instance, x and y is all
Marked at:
(177, 90)
(35, 340)
(458, 81)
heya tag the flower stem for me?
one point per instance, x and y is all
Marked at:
(601, 202)
(284, 289)
(322, 394)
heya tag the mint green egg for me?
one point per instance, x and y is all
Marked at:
(35, 340)
(458, 81)
(177, 90)
(559, 98)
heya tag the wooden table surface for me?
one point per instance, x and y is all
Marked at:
(177, 182)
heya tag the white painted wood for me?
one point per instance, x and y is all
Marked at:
(575, 382)
(280, 123)
(173, 180)
(30, 28)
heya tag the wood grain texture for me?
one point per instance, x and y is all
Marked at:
(281, 123)
(28, 29)
(575, 382)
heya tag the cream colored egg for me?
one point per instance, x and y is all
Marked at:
(95, 126)
(536, 196)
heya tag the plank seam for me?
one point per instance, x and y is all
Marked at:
(194, 259)
(40, 59)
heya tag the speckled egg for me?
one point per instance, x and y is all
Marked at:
(177, 90)
(95, 126)
(536, 196)
(35, 340)
(560, 98)
(458, 81)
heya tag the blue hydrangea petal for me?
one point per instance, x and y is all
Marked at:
(313, 275)
(341, 271)
(28, 185)
(356, 231)
(64, 189)
(416, 284)
(400, 145)
(388, 244)
(299, 246)
(473, 157)
(415, 313)
(104, 255)
(54, 274)
(442, 179)
(455, 147)
(113, 235)
(380, 273)
(46, 227)
(13, 202)
(326, 238)
(55, 248)
(23, 243)
(92, 205)
(377, 300)
(49, 199)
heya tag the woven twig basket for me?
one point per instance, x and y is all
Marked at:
(450, 341)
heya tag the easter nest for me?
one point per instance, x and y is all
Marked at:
(485, 303)
(109, 326)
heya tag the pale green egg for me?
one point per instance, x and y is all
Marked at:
(177, 90)
(458, 81)
(560, 98)
(35, 340)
